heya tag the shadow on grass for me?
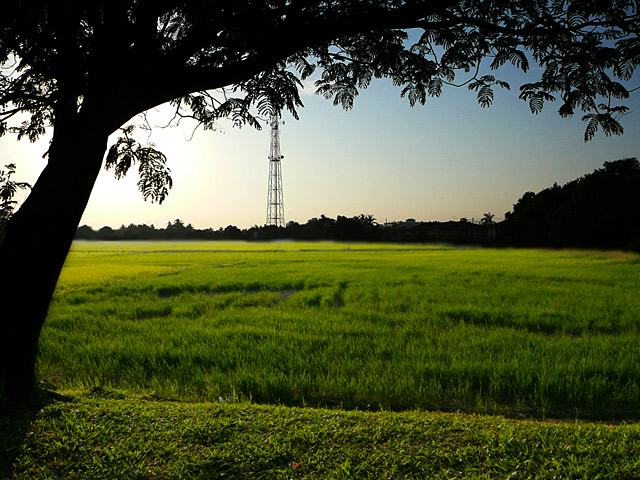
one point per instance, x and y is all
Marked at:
(15, 423)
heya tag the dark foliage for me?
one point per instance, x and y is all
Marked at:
(8, 190)
(358, 228)
(599, 210)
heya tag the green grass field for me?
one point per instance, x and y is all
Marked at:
(105, 434)
(538, 350)
(355, 326)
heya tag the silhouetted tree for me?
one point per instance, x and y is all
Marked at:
(322, 228)
(232, 233)
(599, 210)
(85, 232)
(366, 219)
(487, 219)
(348, 229)
(107, 233)
(85, 69)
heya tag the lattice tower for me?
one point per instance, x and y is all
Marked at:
(275, 198)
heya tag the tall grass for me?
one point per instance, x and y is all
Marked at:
(357, 326)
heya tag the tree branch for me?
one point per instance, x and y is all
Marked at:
(265, 50)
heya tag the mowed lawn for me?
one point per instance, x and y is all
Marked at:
(544, 334)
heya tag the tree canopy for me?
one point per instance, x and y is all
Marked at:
(599, 210)
(137, 54)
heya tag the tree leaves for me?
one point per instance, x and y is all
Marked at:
(535, 95)
(582, 46)
(484, 87)
(155, 180)
(8, 190)
(155, 177)
(580, 50)
(609, 125)
(247, 102)
(485, 96)
(338, 81)
(515, 57)
(273, 91)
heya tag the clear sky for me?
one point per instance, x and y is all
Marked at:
(445, 160)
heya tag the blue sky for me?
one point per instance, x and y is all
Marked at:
(445, 160)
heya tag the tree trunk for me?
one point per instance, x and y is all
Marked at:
(37, 240)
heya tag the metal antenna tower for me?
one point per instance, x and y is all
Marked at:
(275, 199)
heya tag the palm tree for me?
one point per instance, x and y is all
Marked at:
(487, 219)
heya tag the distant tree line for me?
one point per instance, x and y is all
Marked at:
(358, 228)
(598, 210)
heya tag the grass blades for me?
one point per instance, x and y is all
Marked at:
(105, 433)
(539, 333)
